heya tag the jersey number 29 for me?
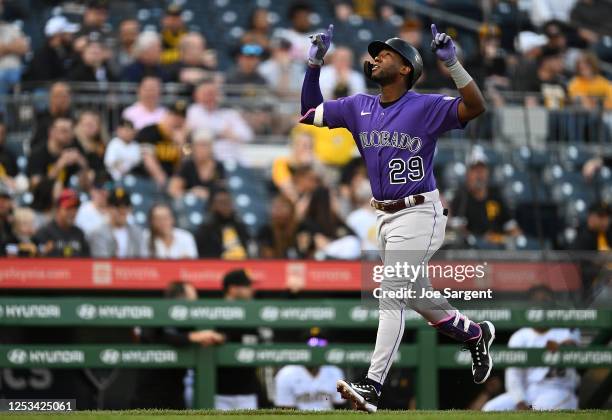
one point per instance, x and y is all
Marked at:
(402, 170)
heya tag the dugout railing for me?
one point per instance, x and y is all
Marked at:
(426, 356)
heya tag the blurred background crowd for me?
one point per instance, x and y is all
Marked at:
(169, 129)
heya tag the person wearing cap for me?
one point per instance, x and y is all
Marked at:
(92, 65)
(245, 72)
(232, 394)
(195, 63)
(95, 18)
(165, 388)
(52, 164)
(309, 388)
(200, 172)
(53, 59)
(61, 237)
(596, 233)
(93, 214)
(229, 127)
(283, 75)
(117, 238)
(123, 153)
(162, 144)
(147, 109)
(480, 207)
(13, 46)
(172, 31)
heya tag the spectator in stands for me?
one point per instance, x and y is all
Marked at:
(163, 240)
(53, 59)
(95, 20)
(223, 236)
(13, 46)
(481, 209)
(557, 31)
(117, 238)
(277, 239)
(61, 238)
(489, 62)
(201, 172)
(282, 74)
(172, 31)
(542, 11)
(242, 394)
(6, 218)
(147, 110)
(306, 180)
(589, 88)
(147, 59)
(54, 162)
(323, 234)
(245, 74)
(229, 128)
(547, 79)
(60, 101)
(24, 227)
(164, 388)
(123, 153)
(92, 65)
(258, 30)
(299, 16)
(362, 220)
(339, 79)
(596, 233)
(93, 214)
(91, 137)
(161, 144)
(8, 161)
(300, 155)
(196, 63)
(309, 387)
(539, 388)
(129, 29)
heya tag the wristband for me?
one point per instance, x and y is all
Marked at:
(315, 62)
(459, 75)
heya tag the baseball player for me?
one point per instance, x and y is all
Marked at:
(540, 388)
(396, 134)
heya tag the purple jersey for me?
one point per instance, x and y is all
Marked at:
(396, 142)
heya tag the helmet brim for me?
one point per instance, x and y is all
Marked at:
(375, 47)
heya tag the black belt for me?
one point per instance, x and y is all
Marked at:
(397, 205)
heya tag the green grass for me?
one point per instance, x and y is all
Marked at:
(336, 415)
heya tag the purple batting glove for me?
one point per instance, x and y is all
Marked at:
(443, 46)
(320, 45)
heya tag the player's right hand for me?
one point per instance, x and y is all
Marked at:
(320, 44)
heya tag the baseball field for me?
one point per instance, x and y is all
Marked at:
(337, 415)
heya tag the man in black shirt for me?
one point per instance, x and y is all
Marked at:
(162, 143)
(238, 387)
(53, 163)
(164, 388)
(61, 238)
(545, 77)
(480, 206)
(60, 100)
(8, 161)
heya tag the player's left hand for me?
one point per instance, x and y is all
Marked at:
(443, 45)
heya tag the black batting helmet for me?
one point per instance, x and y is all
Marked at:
(410, 55)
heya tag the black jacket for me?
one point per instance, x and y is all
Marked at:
(209, 237)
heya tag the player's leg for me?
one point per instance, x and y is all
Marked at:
(555, 399)
(503, 402)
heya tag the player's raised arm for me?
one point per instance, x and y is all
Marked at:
(473, 103)
(311, 91)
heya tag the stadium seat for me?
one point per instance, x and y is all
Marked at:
(522, 127)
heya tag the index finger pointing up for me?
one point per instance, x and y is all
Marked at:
(330, 30)
(434, 30)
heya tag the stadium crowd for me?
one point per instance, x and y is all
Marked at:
(82, 175)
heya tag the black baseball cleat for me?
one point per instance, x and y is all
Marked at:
(362, 394)
(481, 358)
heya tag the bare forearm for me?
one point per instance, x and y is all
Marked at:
(472, 99)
